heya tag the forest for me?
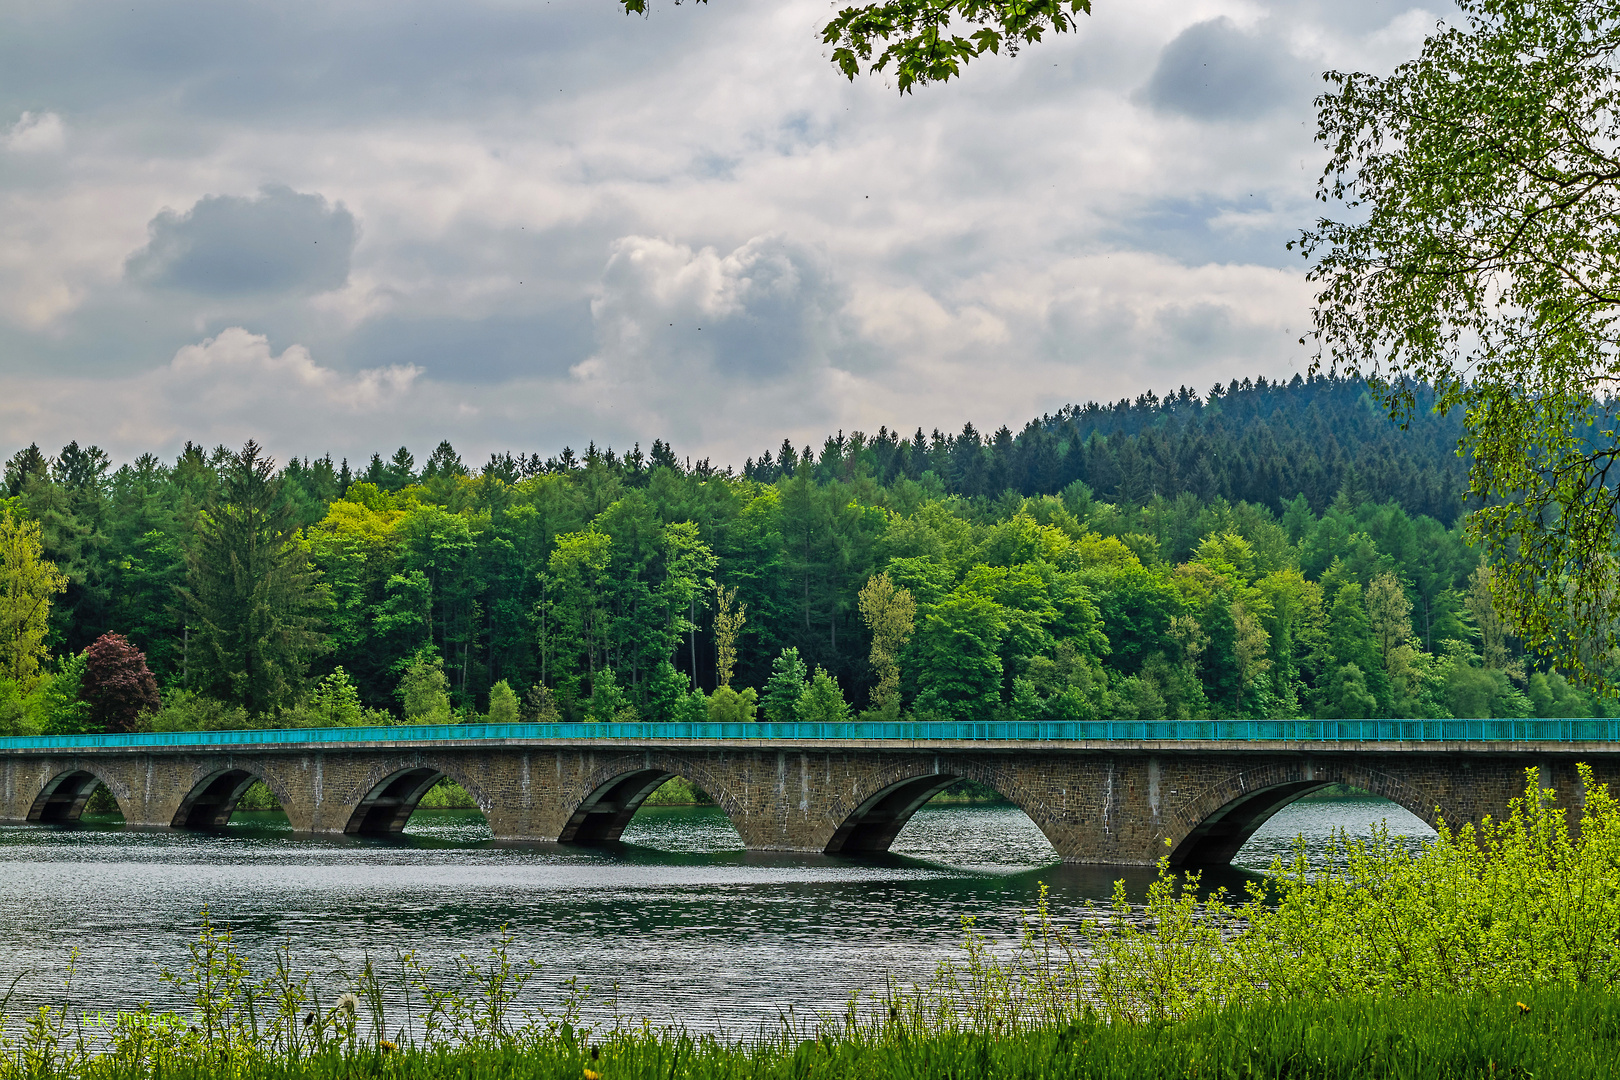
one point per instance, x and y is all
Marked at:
(1259, 550)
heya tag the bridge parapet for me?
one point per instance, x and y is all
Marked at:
(1598, 731)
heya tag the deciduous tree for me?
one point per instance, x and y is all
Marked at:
(1479, 258)
(729, 617)
(891, 615)
(117, 684)
(27, 583)
(932, 40)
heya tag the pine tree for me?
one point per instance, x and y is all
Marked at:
(1350, 644)
(253, 600)
(788, 680)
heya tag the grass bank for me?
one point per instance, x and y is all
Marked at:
(1563, 1033)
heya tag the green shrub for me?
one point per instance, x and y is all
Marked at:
(258, 796)
(728, 705)
(679, 791)
(822, 701)
(503, 704)
(187, 710)
(448, 795)
(424, 691)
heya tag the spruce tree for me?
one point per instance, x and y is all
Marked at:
(789, 677)
(253, 602)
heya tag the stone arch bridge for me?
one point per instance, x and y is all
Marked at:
(1126, 797)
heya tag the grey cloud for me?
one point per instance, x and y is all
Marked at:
(1208, 229)
(760, 312)
(539, 343)
(1216, 71)
(280, 241)
(314, 58)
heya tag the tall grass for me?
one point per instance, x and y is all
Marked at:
(1492, 951)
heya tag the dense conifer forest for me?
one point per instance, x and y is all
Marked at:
(1259, 550)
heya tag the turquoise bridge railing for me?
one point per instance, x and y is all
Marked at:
(1317, 731)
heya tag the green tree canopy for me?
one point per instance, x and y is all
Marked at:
(1480, 256)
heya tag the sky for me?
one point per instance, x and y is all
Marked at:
(346, 225)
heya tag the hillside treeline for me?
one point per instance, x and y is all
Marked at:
(1272, 550)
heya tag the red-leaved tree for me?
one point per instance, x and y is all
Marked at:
(116, 683)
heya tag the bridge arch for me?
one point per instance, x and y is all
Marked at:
(390, 796)
(212, 797)
(869, 819)
(65, 794)
(1211, 827)
(614, 792)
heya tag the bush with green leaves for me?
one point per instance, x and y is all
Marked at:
(607, 702)
(503, 704)
(822, 701)
(424, 691)
(728, 705)
(187, 710)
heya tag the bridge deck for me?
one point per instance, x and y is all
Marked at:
(1479, 736)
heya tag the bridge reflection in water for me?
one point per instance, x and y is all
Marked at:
(1101, 792)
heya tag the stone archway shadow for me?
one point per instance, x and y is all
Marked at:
(388, 797)
(869, 823)
(63, 798)
(1211, 827)
(212, 797)
(615, 792)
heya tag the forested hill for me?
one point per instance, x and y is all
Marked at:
(1265, 551)
(1251, 441)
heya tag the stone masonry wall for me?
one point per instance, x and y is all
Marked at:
(1116, 805)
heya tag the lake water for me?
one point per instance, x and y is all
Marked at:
(685, 924)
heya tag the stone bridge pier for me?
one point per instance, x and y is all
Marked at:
(1109, 802)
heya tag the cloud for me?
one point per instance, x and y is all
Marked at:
(236, 370)
(555, 198)
(279, 241)
(36, 133)
(695, 343)
(226, 388)
(1215, 70)
(763, 311)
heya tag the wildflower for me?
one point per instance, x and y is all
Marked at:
(347, 1003)
(1523, 1007)
(385, 1046)
(592, 1075)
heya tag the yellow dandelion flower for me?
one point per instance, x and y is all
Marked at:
(1523, 1007)
(592, 1075)
(386, 1046)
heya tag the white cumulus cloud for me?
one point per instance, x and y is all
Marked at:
(36, 133)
